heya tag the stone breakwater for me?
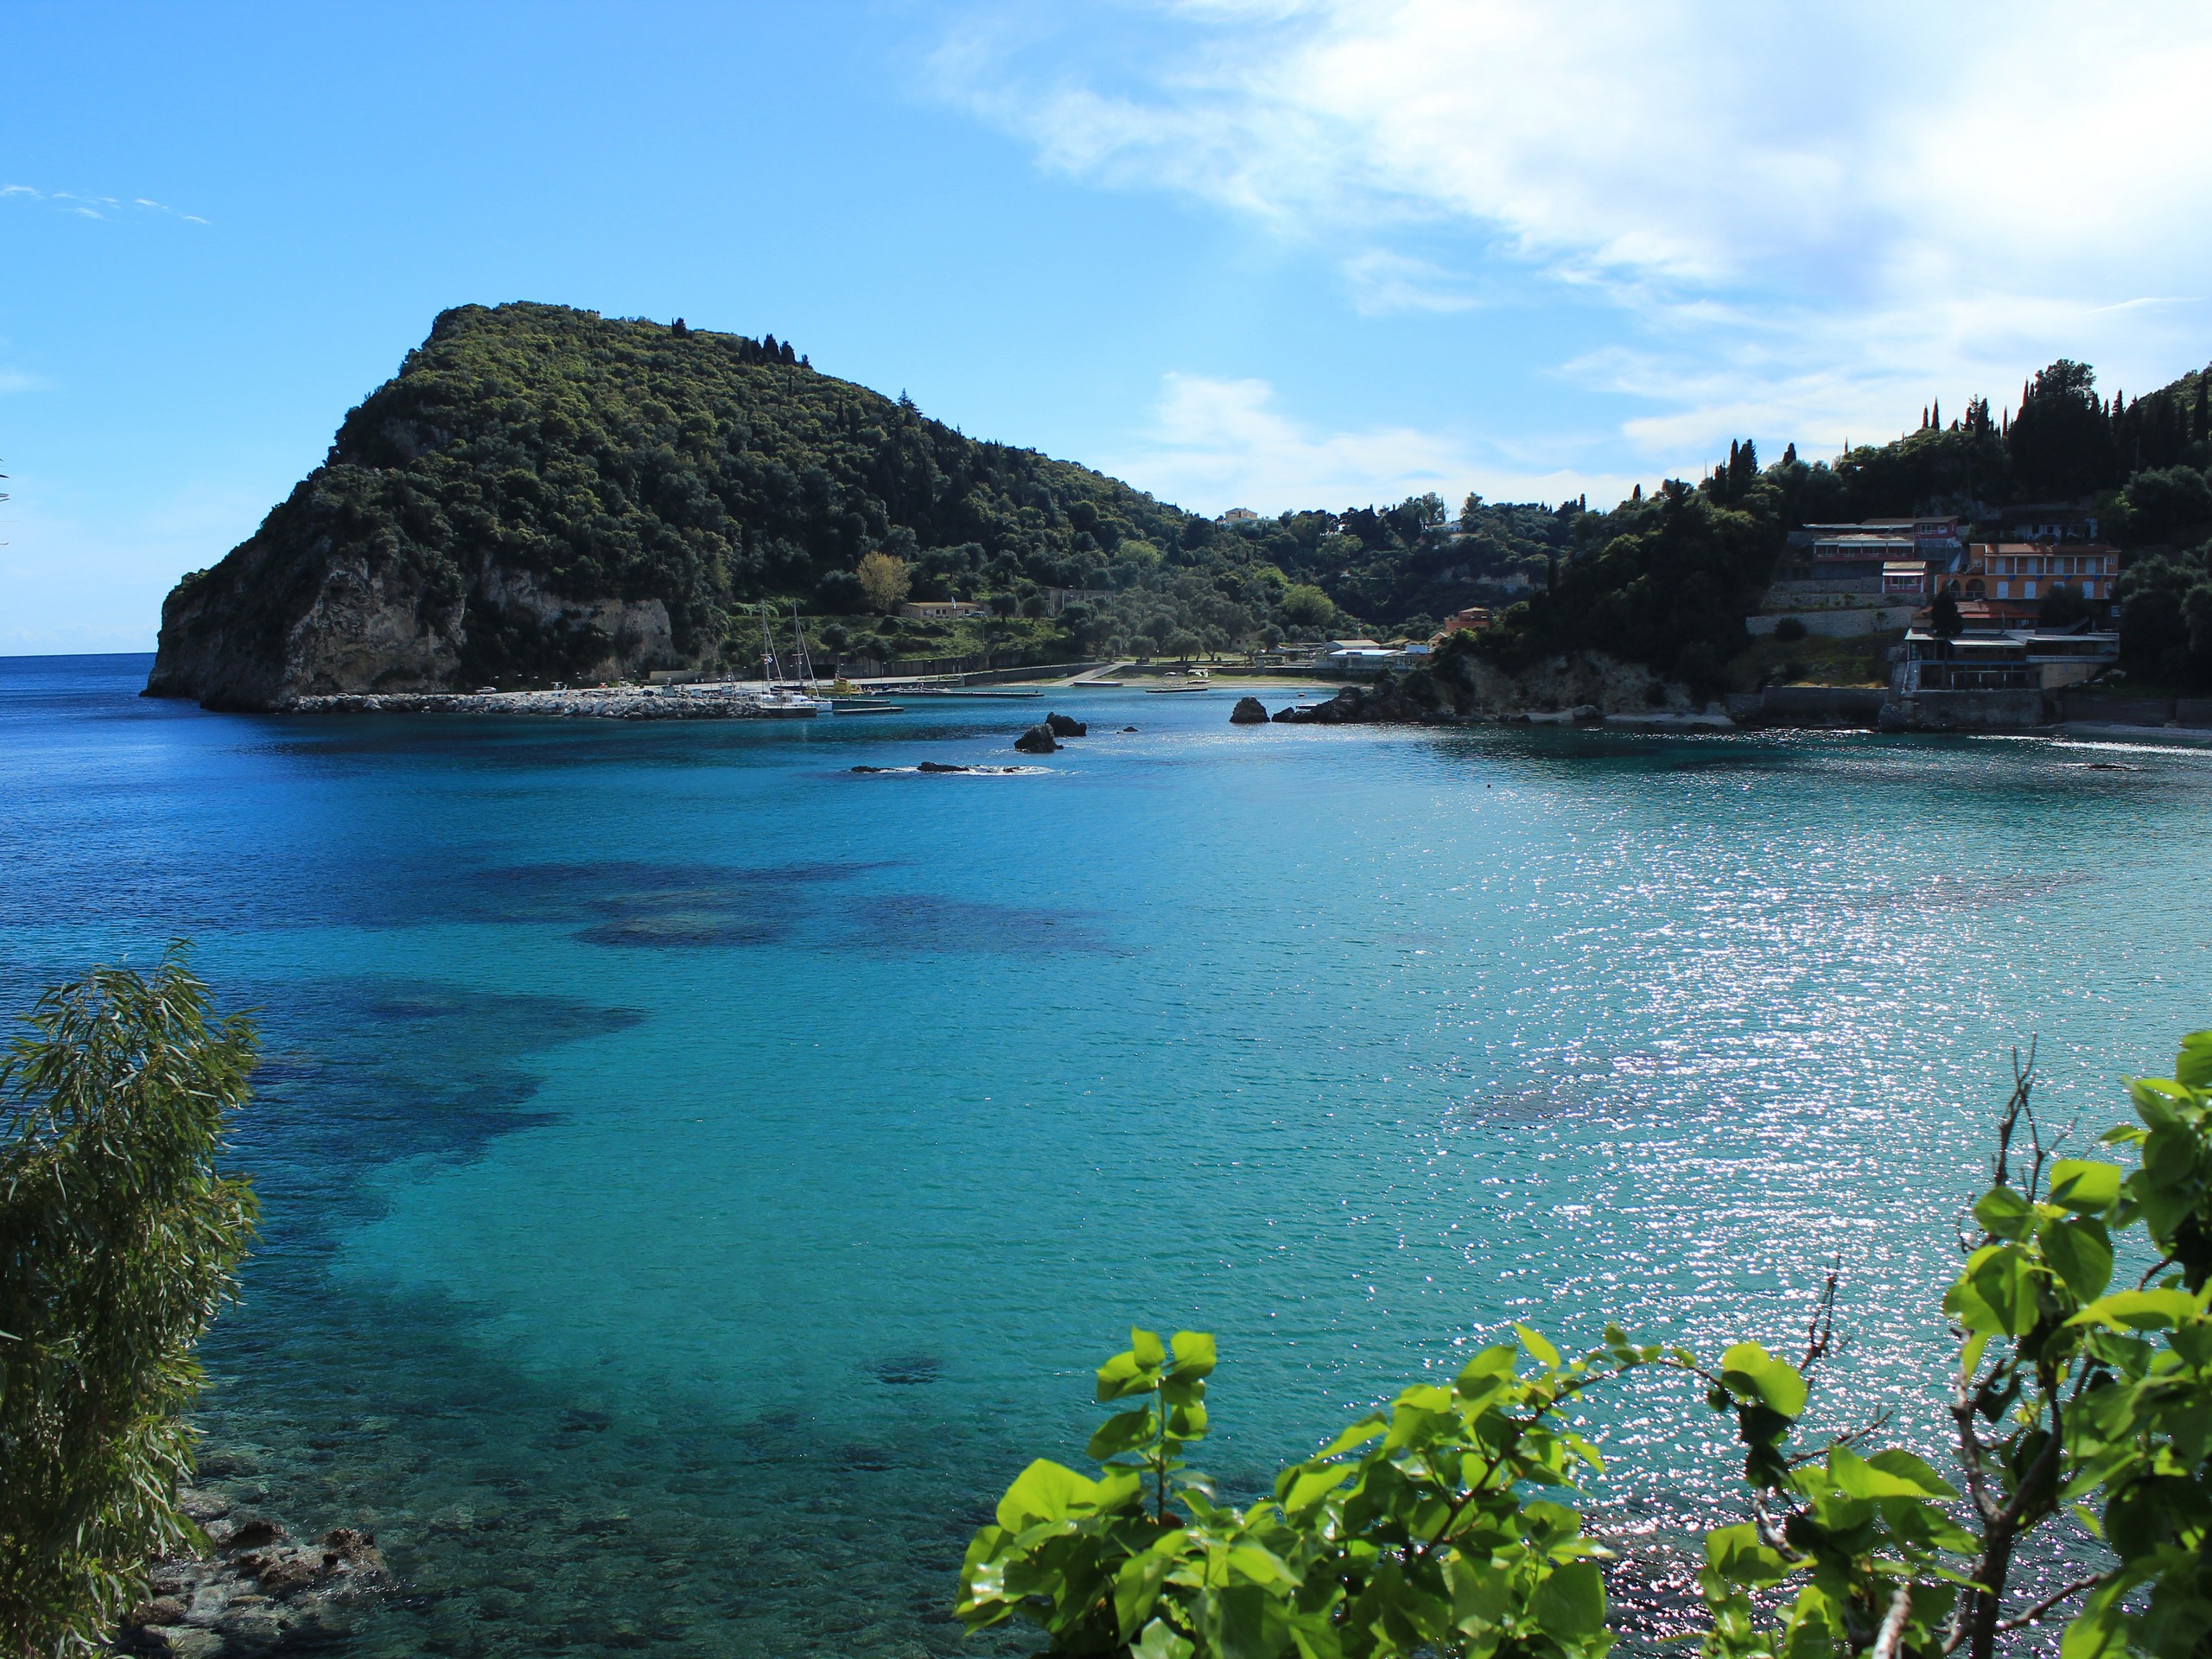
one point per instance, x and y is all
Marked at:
(259, 1591)
(586, 705)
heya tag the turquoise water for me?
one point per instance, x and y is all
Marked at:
(697, 1177)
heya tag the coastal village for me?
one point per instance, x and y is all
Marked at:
(1962, 604)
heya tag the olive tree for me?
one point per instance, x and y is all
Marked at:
(119, 1241)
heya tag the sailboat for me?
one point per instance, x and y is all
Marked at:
(786, 702)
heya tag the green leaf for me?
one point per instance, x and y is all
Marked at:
(1736, 1554)
(1366, 1429)
(1570, 1603)
(1146, 1345)
(2087, 1189)
(1309, 1486)
(2079, 1253)
(2002, 1279)
(1539, 1350)
(1489, 1368)
(1160, 1642)
(1857, 1477)
(1128, 1373)
(2194, 1069)
(1753, 1373)
(2139, 1309)
(1194, 1354)
(1904, 1465)
(2004, 1213)
(1187, 1422)
(1123, 1432)
(1136, 1588)
(1045, 1491)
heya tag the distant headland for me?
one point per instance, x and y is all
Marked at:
(544, 495)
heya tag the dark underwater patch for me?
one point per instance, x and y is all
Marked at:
(928, 923)
(357, 1074)
(660, 907)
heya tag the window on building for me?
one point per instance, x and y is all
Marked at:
(2004, 590)
(2027, 590)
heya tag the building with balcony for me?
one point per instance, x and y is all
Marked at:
(2004, 659)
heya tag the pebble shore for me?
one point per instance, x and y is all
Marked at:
(258, 1591)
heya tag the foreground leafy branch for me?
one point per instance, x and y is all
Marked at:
(1446, 1525)
(118, 1243)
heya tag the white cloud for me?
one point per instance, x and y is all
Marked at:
(1821, 214)
(1382, 281)
(1217, 444)
(101, 207)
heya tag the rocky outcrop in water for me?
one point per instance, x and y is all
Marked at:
(259, 1591)
(1062, 726)
(1248, 711)
(1038, 739)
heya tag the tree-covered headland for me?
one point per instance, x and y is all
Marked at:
(541, 492)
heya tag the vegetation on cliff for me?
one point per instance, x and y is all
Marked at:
(541, 491)
(2077, 1398)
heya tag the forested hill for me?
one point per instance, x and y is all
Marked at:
(1667, 581)
(542, 490)
(546, 494)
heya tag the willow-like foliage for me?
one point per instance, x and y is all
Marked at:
(119, 1241)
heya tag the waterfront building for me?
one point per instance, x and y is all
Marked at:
(2000, 659)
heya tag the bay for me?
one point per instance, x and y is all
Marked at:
(698, 1177)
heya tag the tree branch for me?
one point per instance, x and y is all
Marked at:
(1891, 1636)
(2021, 1622)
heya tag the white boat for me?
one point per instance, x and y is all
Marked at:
(779, 703)
(787, 702)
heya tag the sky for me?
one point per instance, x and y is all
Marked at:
(1262, 253)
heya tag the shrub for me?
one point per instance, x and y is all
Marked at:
(1789, 630)
(118, 1243)
(1445, 1525)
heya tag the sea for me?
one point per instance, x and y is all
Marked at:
(698, 1175)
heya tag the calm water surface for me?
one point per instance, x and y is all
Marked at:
(697, 1177)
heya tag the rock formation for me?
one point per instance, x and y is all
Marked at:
(259, 1591)
(1038, 739)
(1248, 711)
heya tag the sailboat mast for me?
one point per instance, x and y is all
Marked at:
(800, 664)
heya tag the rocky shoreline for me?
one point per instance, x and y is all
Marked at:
(1796, 707)
(258, 1591)
(656, 703)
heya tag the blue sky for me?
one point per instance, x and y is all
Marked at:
(1270, 253)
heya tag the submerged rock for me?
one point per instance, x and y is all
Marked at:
(1038, 739)
(260, 1592)
(1248, 711)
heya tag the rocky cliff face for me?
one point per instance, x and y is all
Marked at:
(304, 608)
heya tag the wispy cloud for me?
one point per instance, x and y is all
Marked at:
(1808, 214)
(1382, 281)
(1214, 444)
(90, 206)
